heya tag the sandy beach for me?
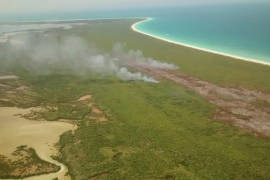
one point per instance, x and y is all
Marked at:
(133, 27)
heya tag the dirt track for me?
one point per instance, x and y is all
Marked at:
(241, 107)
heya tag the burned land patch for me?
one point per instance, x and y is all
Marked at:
(241, 107)
(14, 92)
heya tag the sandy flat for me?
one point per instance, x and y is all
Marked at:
(86, 97)
(8, 77)
(41, 135)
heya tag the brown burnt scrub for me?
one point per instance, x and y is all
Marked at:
(24, 162)
(96, 114)
(247, 109)
(13, 92)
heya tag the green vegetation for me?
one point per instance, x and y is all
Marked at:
(155, 131)
(23, 163)
(161, 131)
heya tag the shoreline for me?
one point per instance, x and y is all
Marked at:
(68, 20)
(133, 27)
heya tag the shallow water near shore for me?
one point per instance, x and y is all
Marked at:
(236, 30)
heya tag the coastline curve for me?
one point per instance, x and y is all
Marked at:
(133, 27)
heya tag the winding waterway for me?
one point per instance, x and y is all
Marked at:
(40, 135)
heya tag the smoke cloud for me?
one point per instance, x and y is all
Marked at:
(37, 26)
(45, 52)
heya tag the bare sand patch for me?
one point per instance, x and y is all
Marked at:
(4, 99)
(8, 77)
(96, 111)
(3, 86)
(102, 119)
(40, 135)
(90, 104)
(22, 88)
(97, 114)
(85, 97)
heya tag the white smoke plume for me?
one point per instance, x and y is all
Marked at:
(137, 57)
(44, 52)
(6, 28)
(124, 74)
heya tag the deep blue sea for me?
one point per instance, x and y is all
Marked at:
(241, 29)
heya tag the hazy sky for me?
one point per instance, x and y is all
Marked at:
(30, 6)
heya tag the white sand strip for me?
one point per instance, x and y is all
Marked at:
(133, 27)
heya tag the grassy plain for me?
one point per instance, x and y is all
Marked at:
(155, 131)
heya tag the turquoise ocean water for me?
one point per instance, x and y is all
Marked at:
(239, 30)
(236, 29)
